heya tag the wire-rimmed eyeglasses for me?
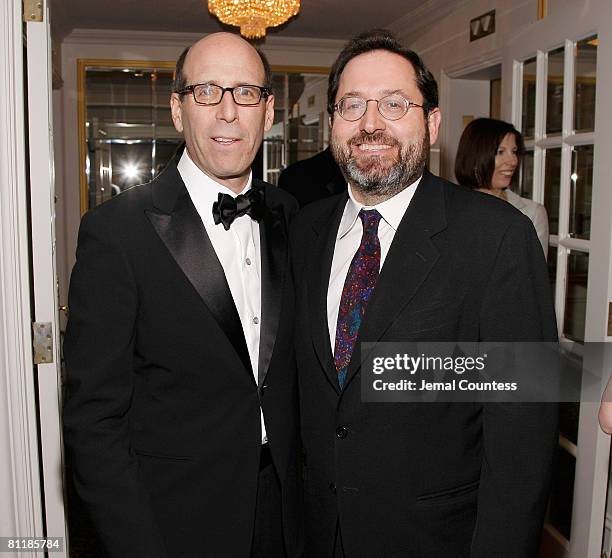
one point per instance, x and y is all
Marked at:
(212, 94)
(391, 107)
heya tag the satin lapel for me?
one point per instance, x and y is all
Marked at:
(184, 234)
(320, 270)
(273, 249)
(408, 263)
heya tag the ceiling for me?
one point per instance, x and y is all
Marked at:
(323, 19)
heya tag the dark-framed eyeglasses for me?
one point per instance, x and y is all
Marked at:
(212, 94)
(391, 107)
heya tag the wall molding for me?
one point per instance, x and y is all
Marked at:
(474, 64)
(416, 22)
(171, 39)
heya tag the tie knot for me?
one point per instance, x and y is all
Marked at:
(370, 219)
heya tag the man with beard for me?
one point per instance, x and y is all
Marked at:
(430, 261)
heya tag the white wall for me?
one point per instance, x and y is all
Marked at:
(446, 45)
(133, 45)
(467, 97)
(447, 51)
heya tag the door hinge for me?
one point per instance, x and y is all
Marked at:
(43, 342)
(33, 10)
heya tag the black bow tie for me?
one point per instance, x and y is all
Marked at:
(227, 208)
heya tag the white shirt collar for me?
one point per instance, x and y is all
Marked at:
(203, 190)
(391, 210)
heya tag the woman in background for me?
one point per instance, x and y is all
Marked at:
(488, 155)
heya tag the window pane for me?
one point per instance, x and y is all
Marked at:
(552, 177)
(554, 92)
(526, 183)
(300, 119)
(584, 90)
(562, 493)
(131, 164)
(300, 104)
(581, 189)
(274, 140)
(575, 295)
(130, 136)
(278, 86)
(307, 105)
(529, 98)
(552, 268)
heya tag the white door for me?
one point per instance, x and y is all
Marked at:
(44, 278)
(557, 89)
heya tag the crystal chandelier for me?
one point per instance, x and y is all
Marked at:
(254, 16)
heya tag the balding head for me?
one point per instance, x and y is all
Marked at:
(218, 40)
(223, 136)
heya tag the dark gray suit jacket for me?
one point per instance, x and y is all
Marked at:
(465, 480)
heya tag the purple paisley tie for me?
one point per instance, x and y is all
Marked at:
(358, 287)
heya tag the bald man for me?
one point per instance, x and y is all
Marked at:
(180, 418)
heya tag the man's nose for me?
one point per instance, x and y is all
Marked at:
(372, 120)
(227, 109)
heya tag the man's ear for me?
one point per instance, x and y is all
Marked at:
(176, 108)
(269, 118)
(433, 123)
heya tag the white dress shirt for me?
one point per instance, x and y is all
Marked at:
(238, 251)
(348, 240)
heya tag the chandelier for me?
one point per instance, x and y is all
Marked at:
(254, 16)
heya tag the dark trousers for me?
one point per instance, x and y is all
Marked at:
(268, 539)
(338, 548)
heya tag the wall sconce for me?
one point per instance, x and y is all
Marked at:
(482, 26)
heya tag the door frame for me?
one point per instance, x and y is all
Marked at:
(572, 21)
(21, 512)
(44, 283)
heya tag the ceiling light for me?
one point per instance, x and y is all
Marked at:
(254, 16)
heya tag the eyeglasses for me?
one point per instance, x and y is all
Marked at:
(212, 94)
(391, 107)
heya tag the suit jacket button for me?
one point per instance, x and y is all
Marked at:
(342, 432)
(332, 487)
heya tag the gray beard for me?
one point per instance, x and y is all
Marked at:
(384, 182)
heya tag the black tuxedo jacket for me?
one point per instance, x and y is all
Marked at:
(425, 479)
(162, 420)
(313, 179)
